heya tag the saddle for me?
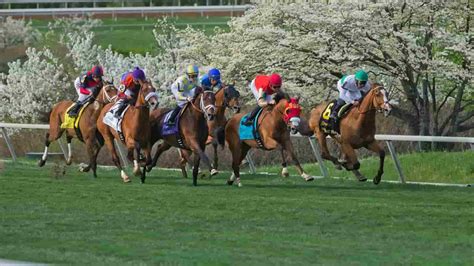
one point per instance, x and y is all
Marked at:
(113, 122)
(251, 132)
(167, 130)
(326, 123)
(73, 121)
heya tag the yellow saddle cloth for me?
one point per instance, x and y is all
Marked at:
(73, 122)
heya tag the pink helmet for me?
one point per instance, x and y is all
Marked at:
(275, 80)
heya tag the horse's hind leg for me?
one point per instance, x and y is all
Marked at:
(288, 147)
(54, 133)
(214, 170)
(109, 142)
(184, 155)
(376, 147)
(134, 150)
(160, 149)
(69, 149)
(238, 154)
(325, 151)
(284, 164)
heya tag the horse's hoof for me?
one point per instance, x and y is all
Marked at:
(41, 163)
(125, 177)
(338, 167)
(84, 168)
(310, 178)
(363, 179)
(377, 180)
(69, 161)
(230, 182)
(214, 172)
(284, 172)
(137, 172)
(127, 180)
(285, 175)
(240, 184)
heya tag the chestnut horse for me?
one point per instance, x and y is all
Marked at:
(87, 126)
(357, 130)
(192, 129)
(226, 97)
(275, 123)
(135, 130)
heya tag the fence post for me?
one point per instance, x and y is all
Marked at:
(317, 154)
(9, 144)
(121, 153)
(395, 160)
(248, 157)
(62, 149)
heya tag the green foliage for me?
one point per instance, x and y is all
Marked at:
(79, 220)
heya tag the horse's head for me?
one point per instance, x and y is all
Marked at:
(291, 114)
(108, 93)
(148, 92)
(380, 99)
(231, 98)
(207, 102)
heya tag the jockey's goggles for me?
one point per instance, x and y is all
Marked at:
(276, 87)
(192, 75)
(360, 82)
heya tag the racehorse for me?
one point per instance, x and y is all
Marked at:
(193, 130)
(357, 130)
(226, 97)
(274, 126)
(135, 130)
(87, 127)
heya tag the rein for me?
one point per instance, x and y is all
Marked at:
(203, 109)
(372, 106)
(106, 96)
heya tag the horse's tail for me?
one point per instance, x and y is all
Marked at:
(220, 133)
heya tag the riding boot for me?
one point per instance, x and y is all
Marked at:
(252, 116)
(333, 119)
(173, 115)
(118, 112)
(75, 109)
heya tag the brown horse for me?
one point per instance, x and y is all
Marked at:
(192, 129)
(357, 130)
(135, 130)
(226, 97)
(275, 124)
(87, 126)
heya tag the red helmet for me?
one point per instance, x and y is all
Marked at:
(97, 71)
(275, 80)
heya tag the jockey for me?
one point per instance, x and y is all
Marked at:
(183, 90)
(87, 87)
(130, 85)
(211, 80)
(351, 90)
(263, 87)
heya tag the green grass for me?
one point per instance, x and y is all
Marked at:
(50, 218)
(137, 36)
(438, 167)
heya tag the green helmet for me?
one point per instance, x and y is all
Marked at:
(361, 75)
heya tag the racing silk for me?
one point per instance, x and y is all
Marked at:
(130, 88)
(348, 90)
(261, 89)
(183, 88)
(85, 83)
(206, 83)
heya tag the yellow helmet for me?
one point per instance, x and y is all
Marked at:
(192, 70)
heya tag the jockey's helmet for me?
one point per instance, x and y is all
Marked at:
(97, 71)
(214, 74)
(192, 71)
(138, 74)
(275, 80)
(361, 75)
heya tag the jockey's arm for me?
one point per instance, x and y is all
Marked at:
(178, 92)
(261, 101)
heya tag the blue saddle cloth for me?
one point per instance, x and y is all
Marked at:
(167, 130)
(248, 132)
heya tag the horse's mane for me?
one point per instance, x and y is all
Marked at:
(281, 95)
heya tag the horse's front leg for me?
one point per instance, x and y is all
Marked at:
(184, 155)
(284, 171)
(161, 148)
(198, 149)
(134, 148)
(325, 151)
(214, 170)
(109, 142)
(376, 147)
(288, 147)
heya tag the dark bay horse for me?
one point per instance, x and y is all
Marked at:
(192, 129)
(135, 130)
(357, 130)
(275, 124)
(87, 125)
(226, 97)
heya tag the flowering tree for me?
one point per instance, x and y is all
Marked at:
(13, 32)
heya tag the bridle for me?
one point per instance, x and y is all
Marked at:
(204, 109)
(106, 96)
(386, 101)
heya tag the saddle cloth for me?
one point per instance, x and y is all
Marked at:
(112, 121)
(73, 122)
(251, 131)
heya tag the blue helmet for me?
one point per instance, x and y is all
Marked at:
(214, 74)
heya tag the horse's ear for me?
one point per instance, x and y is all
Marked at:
(198, 90)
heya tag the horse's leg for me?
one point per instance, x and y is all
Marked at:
(134, 152)
(54, 133)
(198, 149)
(325, 151)
(69, 149)
(288, 147)
(147, 152)
(159, 150)
(214, 170)
(109, 142)
(350, 157)
(184, 155)
(197, 159)
(284, 171)
(238, 154)
(376, 147)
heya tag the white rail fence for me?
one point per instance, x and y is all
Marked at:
(114, 11)
(314, 146)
